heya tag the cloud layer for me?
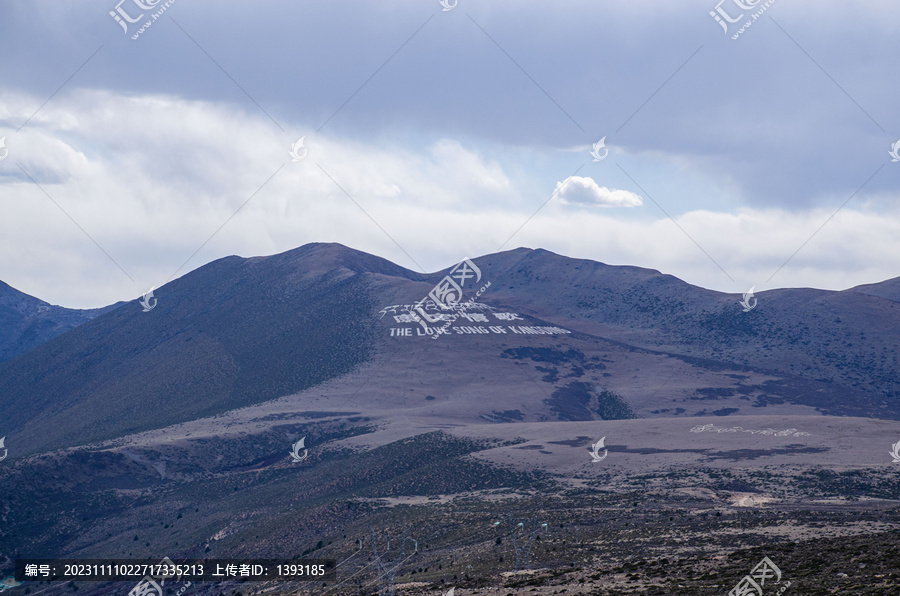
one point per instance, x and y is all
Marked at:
(434, 135)
(113, 210)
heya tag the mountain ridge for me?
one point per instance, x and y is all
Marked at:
(27, 322)
(241, 331)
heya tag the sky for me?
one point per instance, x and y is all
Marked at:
(629, 132)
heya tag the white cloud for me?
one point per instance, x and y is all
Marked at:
(584, 191)
(157, 184)
(451, 155)
(152, 178)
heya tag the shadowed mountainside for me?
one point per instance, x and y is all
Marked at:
(848, 338)
(27, 322)
(238, 332)
(234, 332)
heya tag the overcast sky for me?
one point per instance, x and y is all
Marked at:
(731, 159)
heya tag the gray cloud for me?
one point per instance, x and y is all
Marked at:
(452, 126)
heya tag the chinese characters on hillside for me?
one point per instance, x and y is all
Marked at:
(444, 306)
(788, 432)
(486, 321)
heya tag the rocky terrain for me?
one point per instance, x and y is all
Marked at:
(727, 436)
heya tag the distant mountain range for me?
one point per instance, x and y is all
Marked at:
(631, 342)
(170, 432)
(26, 322)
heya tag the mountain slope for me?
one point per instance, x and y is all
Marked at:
(633, 341)
(889, 290)
(720, 436)
(234, 332)
(26, 322)
(847, 337)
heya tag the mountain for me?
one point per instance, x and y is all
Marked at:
(27, 322)
(235, 332)
(889, 290)
(613, 429)
(630, 342)
(846, 338)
